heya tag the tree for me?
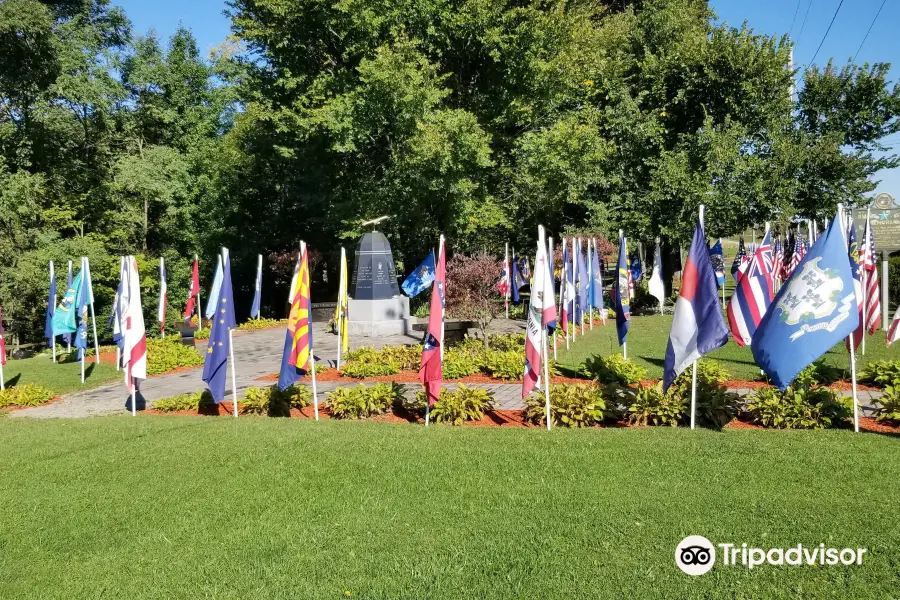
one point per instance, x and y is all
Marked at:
(472, 289)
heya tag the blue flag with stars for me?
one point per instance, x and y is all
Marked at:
(219, 345)
(814, 310)
(420, 279)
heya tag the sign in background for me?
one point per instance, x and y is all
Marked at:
(885, 223)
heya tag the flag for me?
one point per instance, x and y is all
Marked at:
(523, 272)
(66, 333)
(739, 259)
(656, 286)
(515, 279)
(296, 358)
(872, 296)
(752, 296)
(193, 291)
(815, 309)
(621, 298)
(420, 279)
(636, 270)
(51, 308)
(777, 261)
(854, 258)
(82, 301)
(567, 290)
(788, 259)
(697, 327)
(798, 253)
(551, 326)
(596, 295)
(163, 289)
(894, 330)
(257, 289)
(2, 341)
(541, 312)
(115, 317)
(134, 352)
(215, 292)
(219, 345)
(717, 257)
(581, 284)
(431, 367)
(343, 306)
(64, 317)
(503, 284)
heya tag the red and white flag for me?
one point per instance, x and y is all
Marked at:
(193, 291)
(431, 369)
(163, 289)
(134, 353)
(871, 294)
(894, 332)
(503, 284)
(541, 312)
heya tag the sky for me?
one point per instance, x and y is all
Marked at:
(805, 20)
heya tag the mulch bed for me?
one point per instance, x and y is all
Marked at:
(871, 425)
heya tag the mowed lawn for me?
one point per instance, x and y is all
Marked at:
(61, 378)
(648, 338)
(193, 507)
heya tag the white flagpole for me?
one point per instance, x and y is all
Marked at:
(116, 314)
(508, 268)
(81, 316)
(312, 356)
(694, 365)
(618, 285)
(199, 300)
(553, 283)
(162, 328)
(563, 293)
(52, 332)
(544, 354)
(234, 398)
(259, 281)
(851, 344)
(90, 285)
(340, 322)
(590, 283)
(69, 343)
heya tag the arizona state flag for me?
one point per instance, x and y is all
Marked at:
(295, 360)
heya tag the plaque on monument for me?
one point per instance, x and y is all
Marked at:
(375, 277)
(885, 227)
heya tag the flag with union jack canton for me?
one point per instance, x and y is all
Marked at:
(753, 294)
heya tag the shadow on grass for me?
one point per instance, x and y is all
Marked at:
(653, 360)
(12, 382)
(88, 370)
(140, 402)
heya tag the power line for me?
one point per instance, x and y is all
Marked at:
(836, 11)
(796, 10)
(868, 31)
(806, 14)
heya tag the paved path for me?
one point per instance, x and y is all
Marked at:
(258, 354)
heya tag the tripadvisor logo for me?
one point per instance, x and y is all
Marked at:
(696, 555)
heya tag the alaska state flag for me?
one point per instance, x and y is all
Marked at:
(814, 310)
(420, 279)
(219, 345)
(620, 296)
(698, 326)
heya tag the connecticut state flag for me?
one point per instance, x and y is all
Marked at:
(814, 310)
(697, 327)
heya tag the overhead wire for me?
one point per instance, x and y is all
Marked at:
(869, 30)
(827, 31)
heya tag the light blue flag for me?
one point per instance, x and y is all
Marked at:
(596, 292)
(814, 310)
(420, 279)
(213, 301)
(64, 315)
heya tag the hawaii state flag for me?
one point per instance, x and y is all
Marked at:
(541, 312)
(193, 291)
(621, 297)
(697, 327)
(431, 369)
(753, 295)
(296, 358)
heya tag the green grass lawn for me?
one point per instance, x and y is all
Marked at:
(60, 378)
(193, 507)
(648, 338)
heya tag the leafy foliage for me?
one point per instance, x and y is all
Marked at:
(259, 324)
(573, 406)
(797, 408)
(613, 369)
(191, 401)
(164, 355)
(367, 362)
(888, 408)
(459, 405)
(650, 406)
(716, 406)
(882, 373)
(460, 363)
(25, 395)
(362, 402)
(472, 288)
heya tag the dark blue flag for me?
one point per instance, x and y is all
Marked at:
(514, 280)
(219, 345)
(420, 279)
(814, 310)
(551, 326)
(81, 302)
(51, 307)
(621, 297)
(717, 257)
(739, 259)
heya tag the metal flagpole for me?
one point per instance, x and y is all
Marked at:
(694, 365)
(507, 266)
(553, 282)
(619, 286)
(312, 356)
(851, 344)
(52, 333)
(259, 281)
(340, 321)
(90, 285)
(162, 326)
(199, 300)
(545, 357)
(69, 343)
(81, 317)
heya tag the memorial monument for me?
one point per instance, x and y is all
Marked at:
(376, 305)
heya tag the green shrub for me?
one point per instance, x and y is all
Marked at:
(889, 405)
(798, 408)
(167, 354)
(295, 396)
(459, 363)
(517, 311)
(509, 364)
(505, 342)
(25, 395)
(881, 373)
(258, 324)
(650, 406)
(459, 405)
(202, 333)
(406, 358)
(716, 406)
(570, 406)
(192, 401)
(613, 369)
(818, 373)
(362, 402)
(362, 370)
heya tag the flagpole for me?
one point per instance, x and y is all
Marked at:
(259, 281)
(312, 357)
(69, 343)
(340, 308)
(602, 310)
(162, 325)
(618, 285)
(544, 354)
(694, 365)
(199, 300)
(52, 332)
(441, 341)
(90, 285)
(234, 399)
(563, 294)
(82, 316)
(553, 282)
(133, 398)
(851, 345)
(591, 284)
(508, 277)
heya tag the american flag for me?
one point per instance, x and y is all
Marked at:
(777, 261)
(753, 295)
(798, 254)
(870, 278)
(739, 259)
(894, 331)
(855, 263)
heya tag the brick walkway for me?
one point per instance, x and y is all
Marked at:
(258, 354)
